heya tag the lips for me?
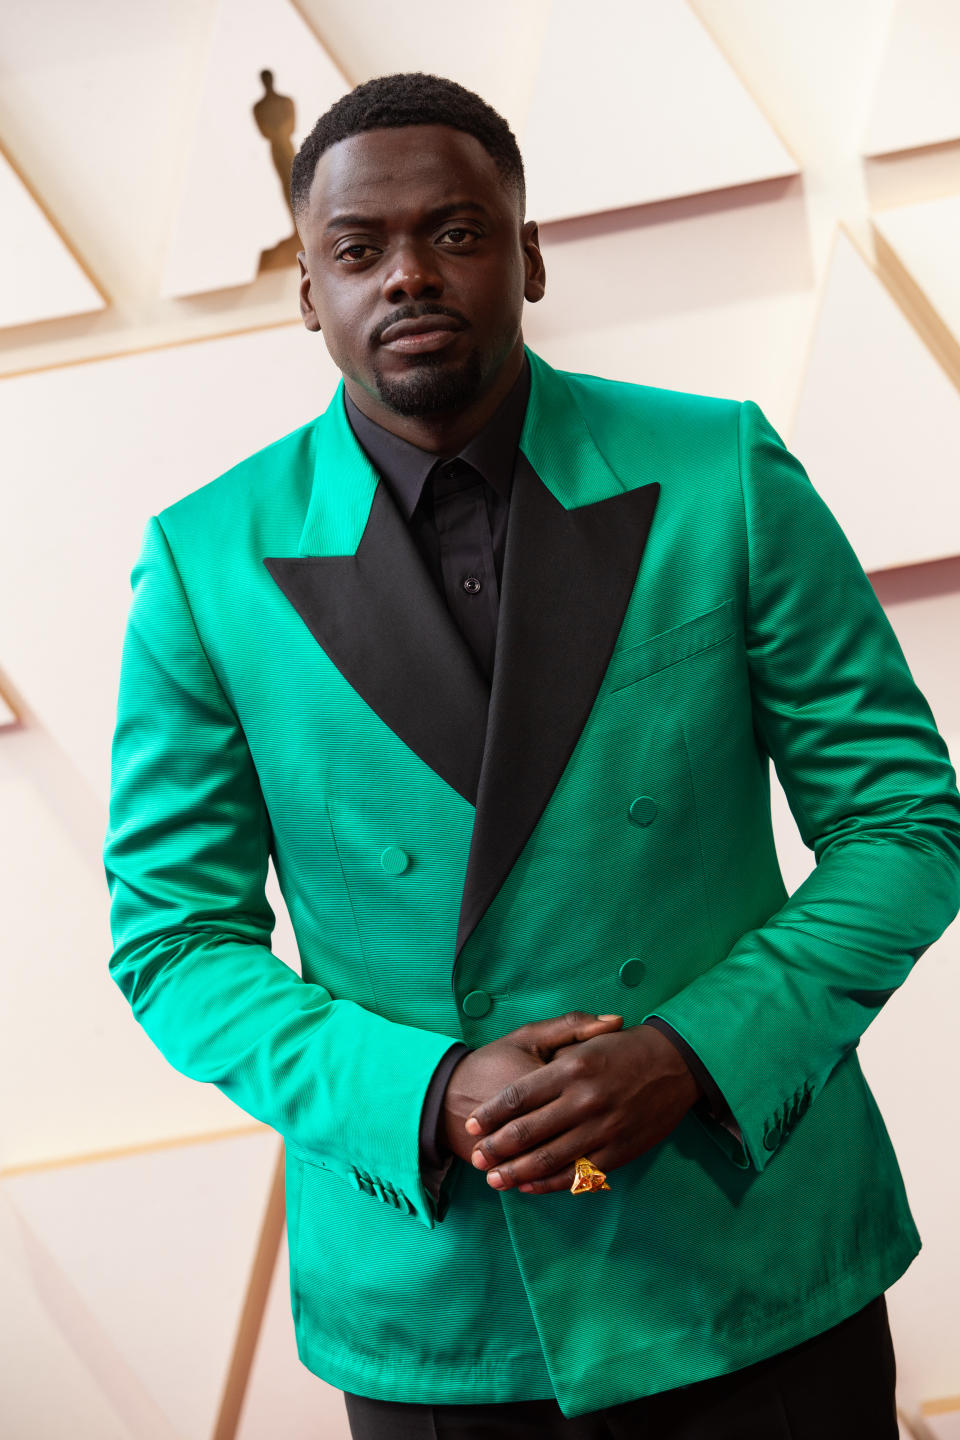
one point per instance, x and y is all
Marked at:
(423, 325)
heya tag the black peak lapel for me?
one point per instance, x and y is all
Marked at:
(568, 576)
(381, 620)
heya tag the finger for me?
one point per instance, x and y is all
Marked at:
(531, 1091)
(526, 1132)
(603, 1024)
(553, 1163)
(543, 1037)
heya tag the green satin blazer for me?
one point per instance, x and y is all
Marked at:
(679, 607)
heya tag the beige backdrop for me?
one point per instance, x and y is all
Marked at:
(774, 214)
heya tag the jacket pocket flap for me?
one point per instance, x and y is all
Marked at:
(633, 662)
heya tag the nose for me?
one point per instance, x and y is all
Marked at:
(414, 274)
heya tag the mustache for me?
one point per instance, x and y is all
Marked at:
(416, 312)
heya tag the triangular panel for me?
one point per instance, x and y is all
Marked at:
(878, 424)
(942, 1418)
(154, 1252)
(492, 48)
(917, 98)
(232, 205)
(39, 278)
(175, 418)
(637, 107)
(926, 240)
(49, 1389)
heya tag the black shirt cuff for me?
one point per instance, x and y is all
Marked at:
(433, 1153)
(697, 1068)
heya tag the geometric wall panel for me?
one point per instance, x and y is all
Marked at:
(656, 114)
(716, 298)
(232, 205)
(942, 1424)
(917, 97)
(39, 278)
(811, 68)
(147, 1258)
(122, 438)
(280, 1384)
(879, 418)
(59, 1057)
(90, 1079)
(96, 108)
(926, 239)
(49, 1391)
(493, 48)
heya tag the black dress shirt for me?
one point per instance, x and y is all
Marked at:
(457, 508)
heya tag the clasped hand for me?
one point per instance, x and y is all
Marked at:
(554, 1090)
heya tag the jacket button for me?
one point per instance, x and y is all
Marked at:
(477, 1003)
(632, 972)
(643, 809)
(394, 860)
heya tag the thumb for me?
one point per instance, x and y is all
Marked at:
(543, 1037)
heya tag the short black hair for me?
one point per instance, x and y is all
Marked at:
(415, 98)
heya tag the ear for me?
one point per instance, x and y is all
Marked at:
(306, 302)
(536, 275)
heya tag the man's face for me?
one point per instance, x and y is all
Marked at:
(415, 266)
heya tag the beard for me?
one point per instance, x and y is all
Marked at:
(432, 386)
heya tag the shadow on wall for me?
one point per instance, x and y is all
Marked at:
(677, 256)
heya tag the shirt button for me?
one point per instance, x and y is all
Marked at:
(471, 584)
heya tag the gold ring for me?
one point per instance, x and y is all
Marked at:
(588, 1176)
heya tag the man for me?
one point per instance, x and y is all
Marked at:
(492, 659)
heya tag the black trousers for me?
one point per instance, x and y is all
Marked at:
(835, 1386)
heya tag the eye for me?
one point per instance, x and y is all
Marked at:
(460, 235)
(351, 258)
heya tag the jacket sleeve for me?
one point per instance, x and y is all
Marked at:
(185, 854)
(869, 782)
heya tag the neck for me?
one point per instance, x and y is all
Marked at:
(443, 434)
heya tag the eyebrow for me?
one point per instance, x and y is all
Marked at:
(433, 217)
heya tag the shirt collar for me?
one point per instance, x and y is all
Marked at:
(405, 467)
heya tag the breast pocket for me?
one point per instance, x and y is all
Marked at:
(700, 632)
